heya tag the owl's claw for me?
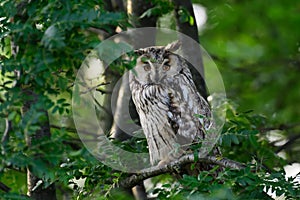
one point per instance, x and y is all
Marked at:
(164, 162)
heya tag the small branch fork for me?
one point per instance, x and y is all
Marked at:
(95, 87)
(133, 180)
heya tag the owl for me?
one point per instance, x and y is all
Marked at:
(172, 113)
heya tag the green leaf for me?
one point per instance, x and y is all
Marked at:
(15, 196)
(12, 115)
(253, 141)
(196, 158)
(191, 21)
(200, 116)
(39, 80)
(234, 139)
(55, 109)
(53, 38)
(60, 101)
(61, 110)
(226, 140)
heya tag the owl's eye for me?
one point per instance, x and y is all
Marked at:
(147, 67)
(166, 67)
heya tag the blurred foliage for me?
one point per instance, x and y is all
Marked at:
(255, 45)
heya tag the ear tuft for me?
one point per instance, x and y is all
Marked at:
(174, 46)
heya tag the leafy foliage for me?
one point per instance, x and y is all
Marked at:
(256, 46)
(49, 40)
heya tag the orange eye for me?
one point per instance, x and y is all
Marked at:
(166, 67)
(147, 67)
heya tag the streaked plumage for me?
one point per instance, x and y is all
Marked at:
(172, 113)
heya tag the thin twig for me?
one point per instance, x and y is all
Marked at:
(93, 88)
(101, 33)
(74, 130)
(6, 131)
(291, 140)
(280, 127)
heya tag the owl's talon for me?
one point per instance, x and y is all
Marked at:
(163, 162)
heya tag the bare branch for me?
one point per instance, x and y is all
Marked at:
(4, 187)
(280, 127)
(101, 33)
(291, 140)
(93, 88)
(6, 131)
(102, 107)
(174, 166)
(74, 130)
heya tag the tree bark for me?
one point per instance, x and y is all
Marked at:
(108, 5)
(135, 8)
(118, 5)
(35, 184)
(191, 50)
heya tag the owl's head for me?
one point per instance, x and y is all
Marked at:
(156, 64)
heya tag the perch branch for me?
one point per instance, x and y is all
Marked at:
(173, 166)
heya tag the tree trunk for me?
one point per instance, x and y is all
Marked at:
(34, 191)
(190, 49)
(39, 193)
(35, 184)
(135, 8)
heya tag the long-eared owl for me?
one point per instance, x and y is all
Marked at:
(172, 113)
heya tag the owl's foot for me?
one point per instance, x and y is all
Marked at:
(164, 162)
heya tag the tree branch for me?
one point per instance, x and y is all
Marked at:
(280, 127)
(174, 166)
(89, 89)
(101, 33)
(4, 187)
(6, 131)
(190, 48)
(291, 140)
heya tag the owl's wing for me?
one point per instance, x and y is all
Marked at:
(193, 115)
(183, 120)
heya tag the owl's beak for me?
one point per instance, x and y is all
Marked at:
(157, 76)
